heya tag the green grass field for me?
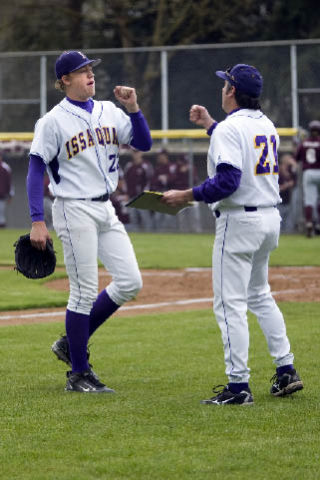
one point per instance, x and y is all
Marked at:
(161, 366)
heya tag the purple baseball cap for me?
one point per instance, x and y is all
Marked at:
(245, 78)
(72, 60)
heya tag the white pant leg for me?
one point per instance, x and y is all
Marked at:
(76, 226)
(116, 252)
(311, 187)
(2, 212)
(260, 300)
(231, 276)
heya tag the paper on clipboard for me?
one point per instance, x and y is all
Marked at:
(148, 200)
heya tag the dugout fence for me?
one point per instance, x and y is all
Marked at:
(191, 144)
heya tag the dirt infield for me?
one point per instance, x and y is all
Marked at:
(178, 290)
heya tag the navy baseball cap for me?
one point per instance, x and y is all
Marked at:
(72, 60)
(245, 78)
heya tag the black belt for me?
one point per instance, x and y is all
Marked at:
(246, 209)
(102, 198)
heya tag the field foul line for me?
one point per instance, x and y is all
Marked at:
(129, 307)
(132, 307)
(166, 273)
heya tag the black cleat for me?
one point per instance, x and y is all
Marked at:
(225, 396)
(61, 349)
(86, 382)
(309, 229)
(285, 384)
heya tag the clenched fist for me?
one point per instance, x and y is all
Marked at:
(127, 97)
(200, 116)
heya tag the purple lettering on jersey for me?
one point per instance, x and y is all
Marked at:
(263, 166)
(115, 140)
(68, 150)
(90, 138)
(99, 136)
(107, 135)
(75, 146)
(82, 142)
(275, 154)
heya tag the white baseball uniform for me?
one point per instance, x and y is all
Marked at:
(247, 230)
(81, 151)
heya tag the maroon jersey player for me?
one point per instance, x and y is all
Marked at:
(308, 153)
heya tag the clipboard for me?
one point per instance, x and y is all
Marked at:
(148, 200)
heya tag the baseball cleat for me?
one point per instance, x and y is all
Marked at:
(85, 382)
(61, 349)
(285, 384)
(226, 397)
(309, 229)
(317, 229)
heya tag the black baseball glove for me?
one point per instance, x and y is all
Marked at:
(31, 262)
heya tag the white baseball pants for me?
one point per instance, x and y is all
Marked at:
(241, 253)
(311, 187)
(90, 231)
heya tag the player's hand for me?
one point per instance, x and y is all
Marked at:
(200, 116)
(39, 235)
(127, 96)
(175, 198)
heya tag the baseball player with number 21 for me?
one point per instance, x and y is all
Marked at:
(78, 143)
(242, 190)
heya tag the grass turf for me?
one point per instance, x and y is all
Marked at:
(156, 250)
(152, 250)
(154, 427)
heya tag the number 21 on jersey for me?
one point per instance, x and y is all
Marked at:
(268, 162)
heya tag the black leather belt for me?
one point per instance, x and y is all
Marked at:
(102, 198)
(246, 209)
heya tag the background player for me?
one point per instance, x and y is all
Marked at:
(308, 153)
(78, 142)
(288, 169)
(137, 174)
(6, 189)
(242, 190)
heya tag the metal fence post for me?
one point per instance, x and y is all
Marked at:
(43, 85)
(294, 86)
(164, 94)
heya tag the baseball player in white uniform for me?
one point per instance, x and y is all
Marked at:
(242, 191)
(77, 142)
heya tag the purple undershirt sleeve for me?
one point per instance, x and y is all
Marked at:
(141, 134)
(210, 130)
(35, 187)
(222, 185)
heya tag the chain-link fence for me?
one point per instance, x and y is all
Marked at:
(168, 81)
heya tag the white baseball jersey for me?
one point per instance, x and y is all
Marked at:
(82, 149)
(232, 142)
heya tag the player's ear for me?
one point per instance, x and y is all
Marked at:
(66, 80)
(231, 91)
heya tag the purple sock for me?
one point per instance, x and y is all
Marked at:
(102, 309)
(284, 369)
(77, 328)
(238, 387)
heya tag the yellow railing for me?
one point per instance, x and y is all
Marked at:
(156, 134)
